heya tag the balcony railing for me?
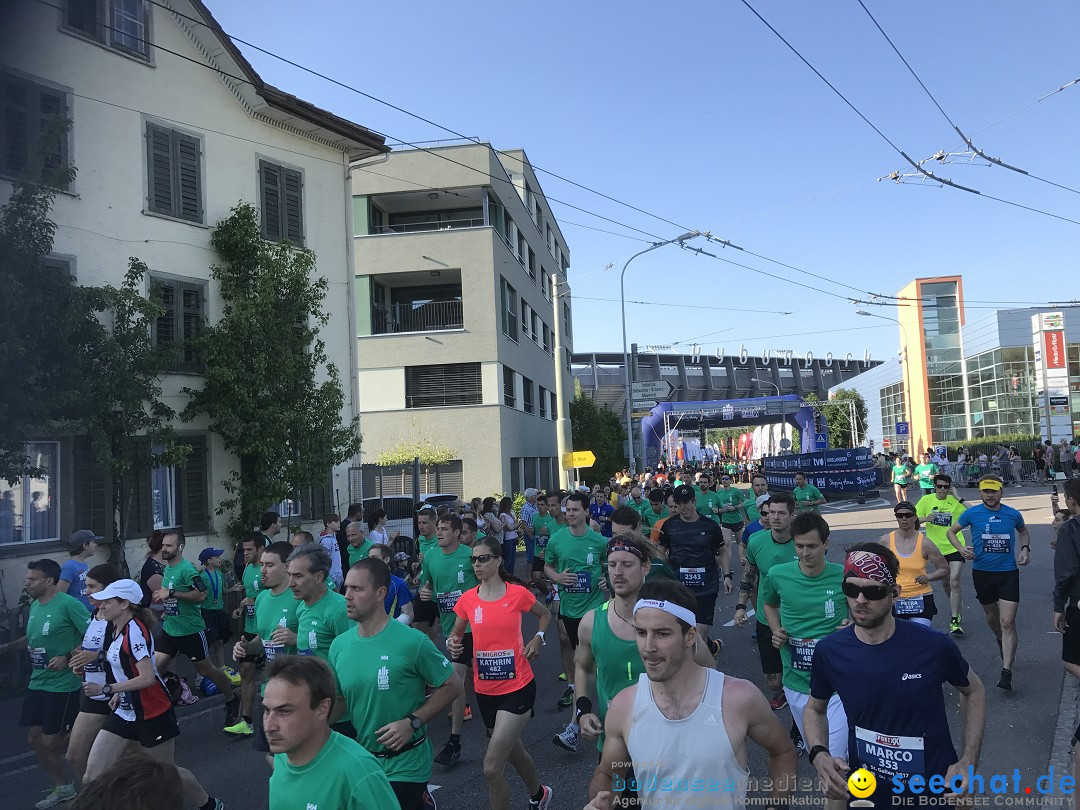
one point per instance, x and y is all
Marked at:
(431, 225)
(397, 318)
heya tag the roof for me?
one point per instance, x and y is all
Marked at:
(359, 141)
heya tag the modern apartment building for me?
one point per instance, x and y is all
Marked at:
(455, 251)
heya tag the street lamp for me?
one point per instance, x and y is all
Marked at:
(766, 382)
(903, 362)
(625, 353)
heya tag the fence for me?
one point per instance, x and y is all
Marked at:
(966, 474)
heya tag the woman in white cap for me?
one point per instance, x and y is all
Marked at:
(142, 709)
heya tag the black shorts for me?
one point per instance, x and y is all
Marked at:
(466, 656)
(249, 659)
(771, 663)
(90, 706)
(571, 627)
(518, 702)
(191, 646)
(734, 527)
(929, 610)
(1070, 640)
(954, 556)
(425, 612)
(55, 712)
(994, 586)
(706, 608)
(148, 733)
(538, 565)
(410, 795)
(218, 626)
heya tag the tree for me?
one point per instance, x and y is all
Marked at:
(263, 360)
(837, 412)
(429, 453)
(598, 429)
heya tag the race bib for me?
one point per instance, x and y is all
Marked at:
(249, 611)
(172, 607)
(908, 606)
(941, 519)
(39, 659)
(887, 755)
(495, 665)
(271, 650)
(305, 652)
(447, 601)
(802, 653)
(996, 543)
(583, 584)
(692, 577)
(125, 702)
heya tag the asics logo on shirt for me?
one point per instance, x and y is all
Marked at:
(911, 676)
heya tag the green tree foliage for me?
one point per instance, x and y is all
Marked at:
(430, 454)
(837, 413)
(598, 429)
(264, 359)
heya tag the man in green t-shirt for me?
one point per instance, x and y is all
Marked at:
(427, 613)
(55, 627)
(314, 766)
(215, 620)
(182, 593)
(804, 602)
(924, 475)
(656, 511)
(732, 511)
(759, 486)
(382, 671)
(901, 477)
(275, 633)
(807, 497)
(252, 545)
(705, 500)
(358, 547)
(938, 512)
(544, 525)
(322, 616)
(447, 573)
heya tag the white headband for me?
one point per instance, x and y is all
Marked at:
(678, 611)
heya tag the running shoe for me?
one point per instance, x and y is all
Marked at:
(567, 740)
(779, 701)
(1005, 681)
(232, 675)
(428, 800)
(57, 795)
(567, 696)
(954, 626)
(241, 729)
(468, 712)
(544, 802)
(219, 804)
(562, 676)
(449, 756)
(716, 646)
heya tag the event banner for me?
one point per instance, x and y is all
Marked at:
(850, 470)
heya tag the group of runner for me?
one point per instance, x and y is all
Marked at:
(338, 690)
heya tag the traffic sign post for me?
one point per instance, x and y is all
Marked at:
(643, 405)
(581, 458)
(902, 429)
(650, 389)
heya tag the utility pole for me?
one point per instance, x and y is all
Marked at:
(563, 437)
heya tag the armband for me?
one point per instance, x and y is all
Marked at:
(584, 706)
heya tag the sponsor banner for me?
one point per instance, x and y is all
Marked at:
(841, 470)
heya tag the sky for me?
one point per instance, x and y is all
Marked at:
(697, 113)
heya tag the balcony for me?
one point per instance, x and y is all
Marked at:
(432, 221)
(416, 316)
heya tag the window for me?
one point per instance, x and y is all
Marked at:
(30, 508)
(546, 338)
(543, 400)
(527, 391)
(539, 218)
(281, 196)
(441, 385)
(182, 321)
(525, 320)
(120, 24)
(532, 263)
(551, 242)
(510, 305)
(553, 410)
(566, 319)
(174, 173)
(545, 283)
(509, 396)
(28, 114)
(521, 249)
(535, 328)
(163, 492)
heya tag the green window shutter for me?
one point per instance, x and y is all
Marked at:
(293, 226)
(270, 197)
(188, 177)
(194, 486)
(191, 317)
(159, 170)
(138, 517)
(15, 117)
(93, 496)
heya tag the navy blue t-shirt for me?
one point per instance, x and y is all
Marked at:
(993, 536)
(892, 694)
(601, 513)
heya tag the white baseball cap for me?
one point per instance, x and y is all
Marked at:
(127, 589)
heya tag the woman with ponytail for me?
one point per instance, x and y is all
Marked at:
(502, 678)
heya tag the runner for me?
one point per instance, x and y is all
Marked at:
(994, 572)
(803, 603)
(315, 766)
(732, 508)
(445, 575)
(938, 511)
(600, 511)
(502, 678)
(323, 615)
(274, 632)
(82, 545)
(699, 554)
(764, 550)
(761, 523)
(426, 616)
(682, 721)
(543, 525)
(655, 511)
(358, 547)
(143, 714)
(627, 521)
(251, 585)
(574, 560)
(914, 551)
(56, 626)
(182, 592)
(399, 599)
(807, 497)
(901, 477)
(925, 475)
(215, 620)
(87, 661)
(759, 486)
(382, 670)
(328, 540)
(888, 675)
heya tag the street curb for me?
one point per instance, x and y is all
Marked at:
(1068, 715)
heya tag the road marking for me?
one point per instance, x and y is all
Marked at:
(749, 613)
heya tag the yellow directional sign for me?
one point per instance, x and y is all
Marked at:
(582, 458)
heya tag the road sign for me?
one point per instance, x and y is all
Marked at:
(650, 389)
(886, 443)
(819, 440)
(581, 458)
(902, 429)
(640, 414)
(643, 405)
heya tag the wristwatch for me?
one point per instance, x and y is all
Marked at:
(543, 638)
(817, 749)
(414, 721)
(106, 689)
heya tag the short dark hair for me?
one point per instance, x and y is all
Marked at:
(625, 516)
(1072, 489)
(427, 511)
(377, 570)
(580, 497)
(253, 537)
(103, 574)
(656, 495)
(785, 498)
(50, 568)
(307, 536)
(943, 477)
(883, 551)
(800, 472)
(384, 551)
(471, 524)
(355, 511)
(811, 522)
(268, 520)
(179, 535)
(453, 520)
(668, 590)
(281, 549)
(134, 782)
(758, 475)
(305, 670)
(330, 518)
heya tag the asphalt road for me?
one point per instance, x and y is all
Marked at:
(1020, 725)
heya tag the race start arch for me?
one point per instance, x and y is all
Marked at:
(667, 417)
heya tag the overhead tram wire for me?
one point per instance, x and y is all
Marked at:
(683, 306)
(942, 180)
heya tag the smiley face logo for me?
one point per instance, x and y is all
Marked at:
(862, 783)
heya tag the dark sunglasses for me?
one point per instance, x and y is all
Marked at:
(480, 559)
(905, 515)
(942, 486)
(874, 593)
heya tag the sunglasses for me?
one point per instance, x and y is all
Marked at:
(873, 593)
(941, 486)
(480, 559)
(900, 515)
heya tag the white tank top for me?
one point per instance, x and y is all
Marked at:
(685, 757)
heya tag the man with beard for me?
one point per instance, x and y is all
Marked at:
(888, 674)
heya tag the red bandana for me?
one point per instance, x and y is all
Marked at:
(868, 565)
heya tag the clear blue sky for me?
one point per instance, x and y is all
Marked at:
(696, 112)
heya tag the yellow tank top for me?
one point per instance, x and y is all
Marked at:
(914, 565)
